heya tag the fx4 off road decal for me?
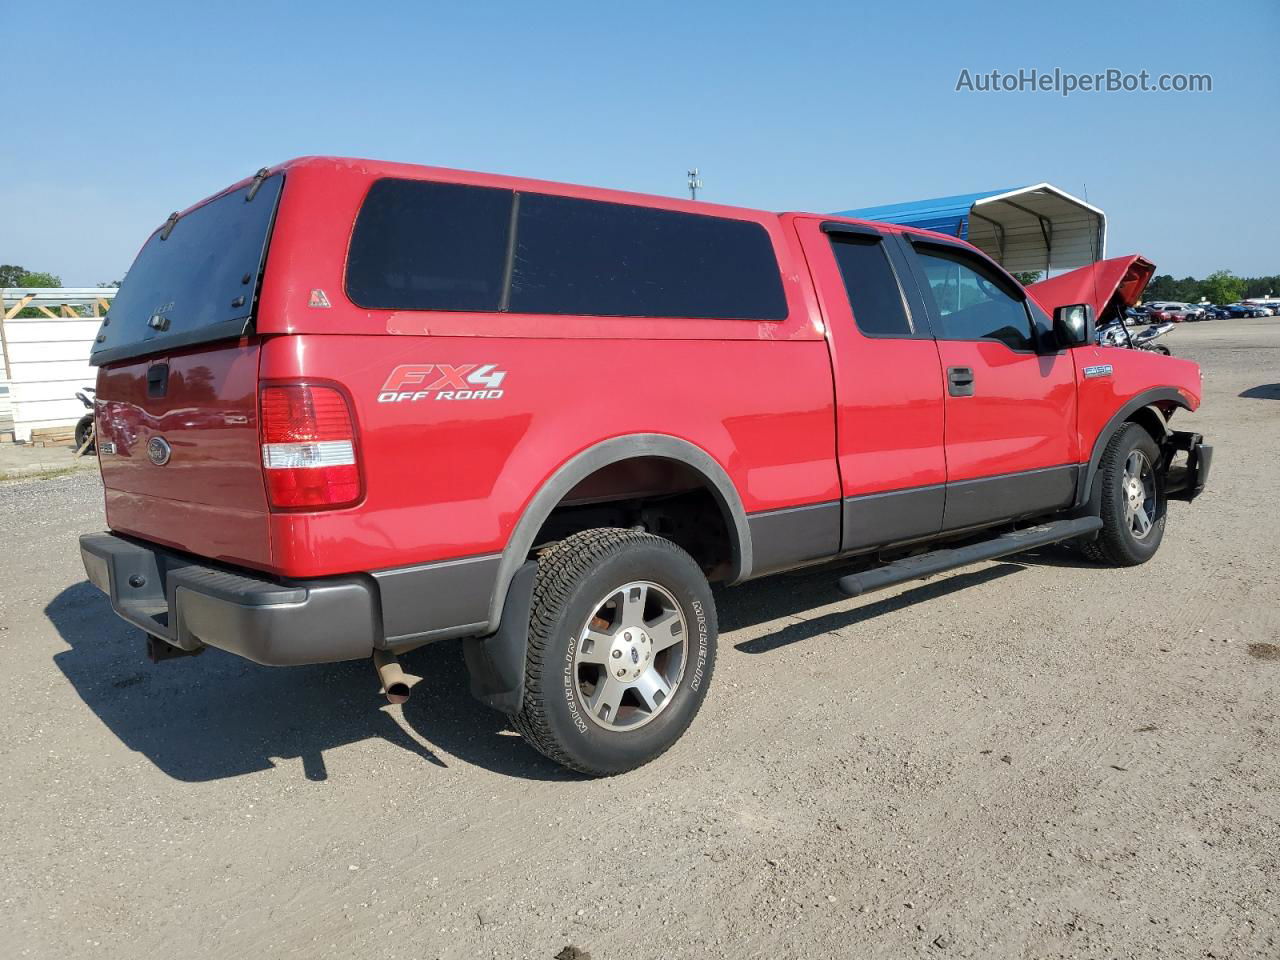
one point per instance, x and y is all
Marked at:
(411, 382)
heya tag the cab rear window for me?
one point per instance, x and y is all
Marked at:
(419, 245)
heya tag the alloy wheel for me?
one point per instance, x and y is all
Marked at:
(1138, 487)
(630, 655)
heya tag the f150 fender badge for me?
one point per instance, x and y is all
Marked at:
(159, 451)
(1098, 370)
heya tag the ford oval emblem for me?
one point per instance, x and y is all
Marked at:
(159, 451)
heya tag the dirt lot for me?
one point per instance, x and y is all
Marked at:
(1035, 758)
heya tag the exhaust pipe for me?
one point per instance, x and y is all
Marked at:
(396, 684)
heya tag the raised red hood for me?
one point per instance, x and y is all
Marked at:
(1120, 278)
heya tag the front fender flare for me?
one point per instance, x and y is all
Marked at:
(1118, 419)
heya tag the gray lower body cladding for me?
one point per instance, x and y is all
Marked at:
(795, 536)
(189, 603)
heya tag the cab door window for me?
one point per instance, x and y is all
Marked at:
(971, 303)
(874, 294)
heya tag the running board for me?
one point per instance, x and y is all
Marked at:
(924, 565)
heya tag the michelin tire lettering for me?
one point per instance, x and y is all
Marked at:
(696, 681)
(568, 688)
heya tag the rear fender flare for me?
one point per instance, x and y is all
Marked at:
(601, 455)
(1148, 398)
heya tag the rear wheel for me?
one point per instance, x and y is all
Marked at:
(621, 648)
(1132, 502)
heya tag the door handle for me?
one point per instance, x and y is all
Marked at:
(960, 381)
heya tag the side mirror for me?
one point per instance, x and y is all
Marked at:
(1073, 325)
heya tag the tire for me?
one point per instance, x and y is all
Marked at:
(1119, 542)
(83, 429)
(1161, 348)
(572, 711)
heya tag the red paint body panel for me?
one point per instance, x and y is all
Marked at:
(1021, 417)
(889, 392)
(451, 478)
(798, 411)
(1133, 371)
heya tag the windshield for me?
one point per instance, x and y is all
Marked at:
(196, 279)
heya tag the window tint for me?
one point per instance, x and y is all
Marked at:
(419, 245)
(970, 305)
(872, 286)
(194, 281)
(611, 259)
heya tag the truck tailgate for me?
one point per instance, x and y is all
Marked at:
(199, 486)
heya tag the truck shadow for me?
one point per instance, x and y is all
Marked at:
(216, 715)
(793, 594)
(1264, 391)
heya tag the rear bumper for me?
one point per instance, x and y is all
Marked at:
(1187, 481)
(189, 605)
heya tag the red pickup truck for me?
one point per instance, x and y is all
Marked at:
(346, 408)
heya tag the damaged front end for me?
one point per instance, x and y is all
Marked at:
(1185, 476)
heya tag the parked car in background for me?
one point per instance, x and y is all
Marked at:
(1269, 307)
(1194, 311)
(1247, 310)
(1175, 312)
(1215, 312)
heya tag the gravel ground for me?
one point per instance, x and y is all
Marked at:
(1034, 758)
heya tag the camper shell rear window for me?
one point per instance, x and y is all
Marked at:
(424, 245)
(196, 279)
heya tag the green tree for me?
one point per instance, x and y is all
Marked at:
(12, 275)
(1027, 277)
(1222, 286)
(1188, 290)
(38, 279)
(1261, 286)
(1162, 287)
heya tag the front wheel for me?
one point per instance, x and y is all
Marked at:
(622, 639)
(1133, 500)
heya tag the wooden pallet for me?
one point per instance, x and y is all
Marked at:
(53, 436)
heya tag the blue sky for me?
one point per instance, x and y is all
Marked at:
(140, 108)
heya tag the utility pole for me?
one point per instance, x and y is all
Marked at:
(695, 182)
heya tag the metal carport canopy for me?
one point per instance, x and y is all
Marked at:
(1037, 227)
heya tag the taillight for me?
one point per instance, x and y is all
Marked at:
(308, 447)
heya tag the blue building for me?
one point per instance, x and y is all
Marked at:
(1037, 227)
